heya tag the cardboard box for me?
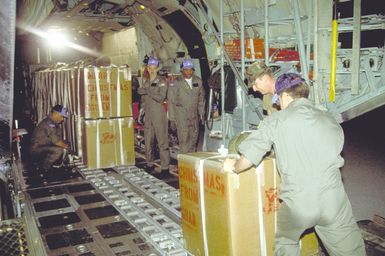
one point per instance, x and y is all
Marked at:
(240, 210)
(108, 142)
(98, 143)
(104, 94)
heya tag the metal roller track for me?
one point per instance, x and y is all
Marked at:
(159, 191)
(161, 231)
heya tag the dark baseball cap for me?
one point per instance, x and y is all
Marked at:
(61, 110)
(254, 71)
(284, 82)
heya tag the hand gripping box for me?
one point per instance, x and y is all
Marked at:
(239, 211)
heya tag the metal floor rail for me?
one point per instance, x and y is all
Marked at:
(161, 231)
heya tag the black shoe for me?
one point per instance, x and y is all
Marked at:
(149, 169)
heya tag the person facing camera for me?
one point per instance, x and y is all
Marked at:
(153, 94)
(186, 100)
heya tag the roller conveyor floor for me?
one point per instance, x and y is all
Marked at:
(111, 211)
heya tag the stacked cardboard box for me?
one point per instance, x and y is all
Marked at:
(108, 142)
(237, 214)
(107, 124)
(105, 92)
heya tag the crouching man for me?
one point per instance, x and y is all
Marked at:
(47, 144)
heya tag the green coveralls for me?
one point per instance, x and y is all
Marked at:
(307, 143)
(186, 107)
(156, 124)
(43, 149)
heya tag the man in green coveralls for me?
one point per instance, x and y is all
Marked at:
(308, 143)
(47, 145)
(186, 98)
(154, 92)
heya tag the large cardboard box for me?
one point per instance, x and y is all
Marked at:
(98, 143)
(108, 142)
(105, 92)
(240, 211)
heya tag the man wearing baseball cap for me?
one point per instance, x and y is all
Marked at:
(186, 98)
(308, 143)
(260, 78)
(153, 94)
(47, 144)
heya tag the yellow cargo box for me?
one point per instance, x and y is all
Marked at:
(98, 147)
(239, 212)
(108, 142)
(105, 92)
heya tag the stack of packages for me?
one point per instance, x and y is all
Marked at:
(230, 214)
(100, 125)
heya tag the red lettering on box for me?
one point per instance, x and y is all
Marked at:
(107, 138)
(189, 217)
(271, 200)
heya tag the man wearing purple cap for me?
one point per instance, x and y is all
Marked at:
(47, 144)
(154, 92)
(186, 100)
(308, 143)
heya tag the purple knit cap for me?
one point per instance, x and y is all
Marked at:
(152, 62)
(286, 81)
(187, 64)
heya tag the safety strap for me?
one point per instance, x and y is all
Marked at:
(121, 123)
(98, 93)
(118, 92)
(262, 238)
(97, 143)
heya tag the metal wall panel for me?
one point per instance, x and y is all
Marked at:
(7, 45)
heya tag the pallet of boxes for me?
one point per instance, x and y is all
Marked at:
(100, 125)
(230, 214)
(105, 123)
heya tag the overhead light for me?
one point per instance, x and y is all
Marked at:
(56, 38)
